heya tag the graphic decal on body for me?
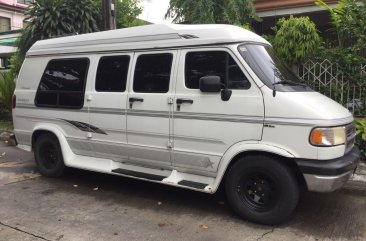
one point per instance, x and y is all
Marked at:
(85, 127)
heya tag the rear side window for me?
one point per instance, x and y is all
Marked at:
(63, 84)
(152, 73)
(112, 74)
(219, 63)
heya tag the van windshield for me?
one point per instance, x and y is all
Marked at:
(270, 69)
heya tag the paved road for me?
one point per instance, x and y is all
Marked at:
(90, 206)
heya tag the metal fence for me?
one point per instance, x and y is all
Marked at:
(327, 78)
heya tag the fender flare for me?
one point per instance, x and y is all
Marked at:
(242, 147)
(67, 153)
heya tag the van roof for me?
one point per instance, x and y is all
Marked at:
(154, 36)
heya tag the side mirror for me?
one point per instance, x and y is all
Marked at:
(210, 84)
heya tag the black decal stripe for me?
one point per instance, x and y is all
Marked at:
(85, 127)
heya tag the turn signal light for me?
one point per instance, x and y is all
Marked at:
(331, 136)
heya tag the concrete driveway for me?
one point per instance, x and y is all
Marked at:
(90, 206)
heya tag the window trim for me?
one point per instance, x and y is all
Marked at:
(57, 106)
(228, 51)
(130, 63)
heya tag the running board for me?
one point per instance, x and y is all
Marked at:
(172, 177)
(196, 185)
(139, 174)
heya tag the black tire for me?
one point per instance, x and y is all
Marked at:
(262, 190)
(48, 156)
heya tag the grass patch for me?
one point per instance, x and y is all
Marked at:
(6, 125)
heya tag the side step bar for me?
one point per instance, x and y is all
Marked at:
(139, 174)
(196, 185)
(154, 177)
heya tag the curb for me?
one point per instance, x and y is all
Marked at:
(356, 182)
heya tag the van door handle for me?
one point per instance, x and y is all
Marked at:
(133, 99)
(181, 101)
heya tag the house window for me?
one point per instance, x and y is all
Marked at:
(63, 84)
(4, 63)
(25, 1)
(4, 24)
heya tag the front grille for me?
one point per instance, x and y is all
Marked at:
(351, 135)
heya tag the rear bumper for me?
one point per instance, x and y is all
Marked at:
(329, 175)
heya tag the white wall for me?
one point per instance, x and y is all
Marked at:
(16, 18)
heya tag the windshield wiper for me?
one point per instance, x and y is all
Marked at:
(286, 82)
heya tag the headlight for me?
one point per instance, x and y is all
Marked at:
(331, 136)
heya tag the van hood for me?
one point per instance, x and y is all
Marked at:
(304, 107)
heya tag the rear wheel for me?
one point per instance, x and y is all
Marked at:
(48, 155)
(262, 189)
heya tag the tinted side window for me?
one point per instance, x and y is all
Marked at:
(112, 74)
(220, 63)
(152, 73)
(63, 84)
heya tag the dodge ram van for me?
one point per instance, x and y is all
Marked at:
(192, 106)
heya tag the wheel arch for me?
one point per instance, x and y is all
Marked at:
(54, 130)
(237, 152)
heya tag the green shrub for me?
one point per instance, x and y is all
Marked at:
(361, 137)
(7, 86)
(296, 39)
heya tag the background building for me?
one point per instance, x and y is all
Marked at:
(270, 11)
(11, 23)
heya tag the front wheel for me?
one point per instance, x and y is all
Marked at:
(48, 155)
(261, 189)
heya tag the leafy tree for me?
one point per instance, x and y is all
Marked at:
(238, 12)
(82, 17)
(296, 39)
(349, 20)
(337, 15)
(53, 18)
(127, 12)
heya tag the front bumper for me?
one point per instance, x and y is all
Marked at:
(329, 175)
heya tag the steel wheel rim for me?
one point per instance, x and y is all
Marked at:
(49, 156)
(259, 191)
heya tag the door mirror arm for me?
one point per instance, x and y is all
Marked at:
(225, 93)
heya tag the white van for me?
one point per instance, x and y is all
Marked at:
(192, 106)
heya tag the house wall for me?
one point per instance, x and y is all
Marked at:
(264, 5)
(16, 19)
(13, 10)
(272, 10)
